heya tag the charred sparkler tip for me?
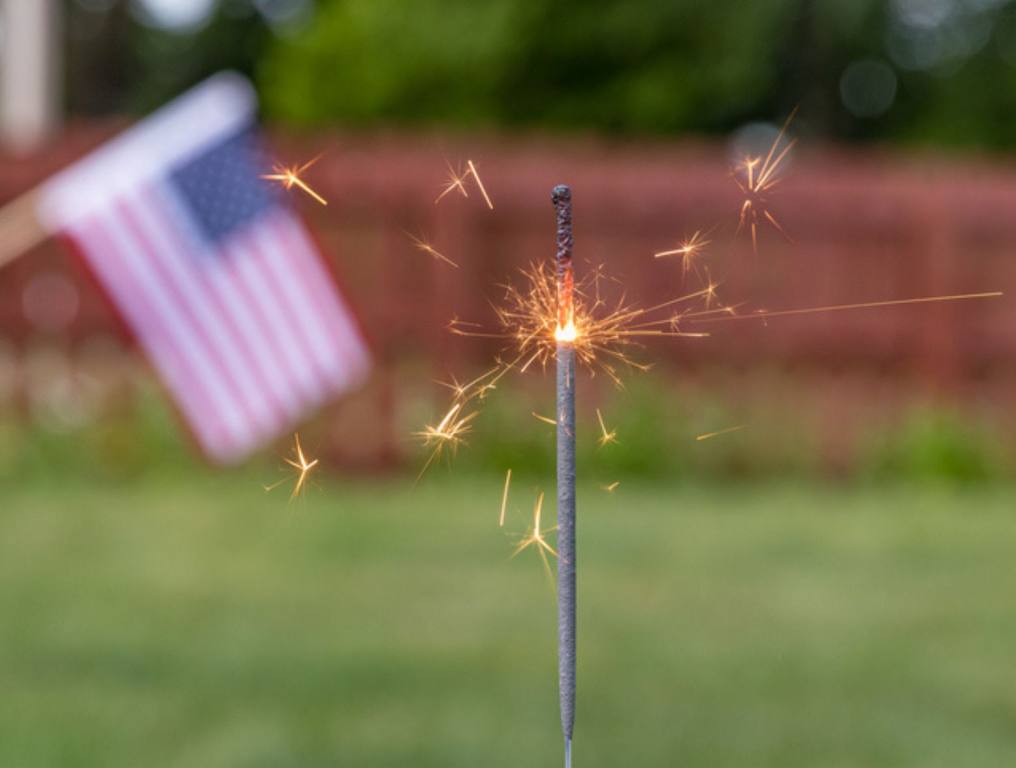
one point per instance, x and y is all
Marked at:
(566, 331)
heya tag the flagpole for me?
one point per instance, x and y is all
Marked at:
(20, 228)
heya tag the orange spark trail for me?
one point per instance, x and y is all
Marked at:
(765, 314)
(448, 434)
(689, 251)
(537, 539)
(719, 432)
(476, 178)
(290, 177)
(455, 182)
(504, 497)
(423, 245)
(302, 466)
(605, 435)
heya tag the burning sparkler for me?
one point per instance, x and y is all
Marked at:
(566, 335)
(548, 315)
(601, 335)
(757, 177)
(290, 177)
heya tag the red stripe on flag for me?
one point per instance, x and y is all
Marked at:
(103, 257)
(237, 349)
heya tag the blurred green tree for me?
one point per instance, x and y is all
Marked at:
(919, 71)
(947, 67)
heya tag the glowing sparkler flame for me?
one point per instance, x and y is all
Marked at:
(568, 334)
(601, 334)
(290, 177)
(549, 308)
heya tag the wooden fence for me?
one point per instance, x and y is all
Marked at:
(865, 226)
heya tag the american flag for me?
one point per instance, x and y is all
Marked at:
(215, 275)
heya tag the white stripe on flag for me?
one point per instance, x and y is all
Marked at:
(159, 344)
(295, 294)
(190, 289)
(331, 306)
(170, 313)
(249, 269)
(251, 326)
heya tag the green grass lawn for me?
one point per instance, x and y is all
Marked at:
(205, 625)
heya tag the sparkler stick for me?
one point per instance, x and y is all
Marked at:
(565, 335)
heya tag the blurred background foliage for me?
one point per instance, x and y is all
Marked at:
(939, 72)
(656, 421)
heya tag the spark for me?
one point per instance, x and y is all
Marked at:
(612, 487)
(537, 538)
(479, 183)
(456, 181)
(689, 251)
(426, 247)
(757, 177)
(605, 436)
(504, 497)
(447, 435)
(763, 314)
(301, 465)
(719, 432)
(290, 177)
(544, 419)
